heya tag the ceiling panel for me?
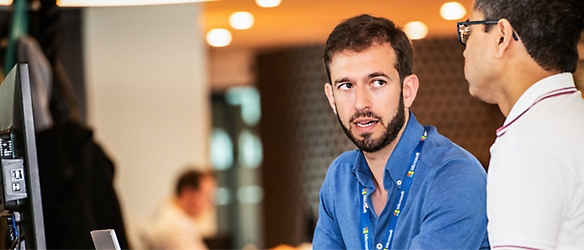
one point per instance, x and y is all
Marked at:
(310, 21)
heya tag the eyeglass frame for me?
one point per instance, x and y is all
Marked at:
(468, 23)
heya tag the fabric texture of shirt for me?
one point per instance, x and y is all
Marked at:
(171, 228)
(536, 173)
(445, 208)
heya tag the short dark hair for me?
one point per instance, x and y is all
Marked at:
(190, 179)
(549, 29)
(361, 32)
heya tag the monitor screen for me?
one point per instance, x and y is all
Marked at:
(20, 196)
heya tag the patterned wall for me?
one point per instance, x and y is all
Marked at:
(301, 134)
(444, 101)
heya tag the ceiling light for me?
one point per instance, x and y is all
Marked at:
(5, 2)
(219, 37)
(268, 3)
(452, 11)
(241, 20)
(416, 30)
(104, 3)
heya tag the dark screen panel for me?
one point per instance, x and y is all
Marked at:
(21, 204)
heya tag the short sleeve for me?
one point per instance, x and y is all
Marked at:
(527, 190)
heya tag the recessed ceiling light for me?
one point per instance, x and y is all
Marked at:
(416, 30)
(104, 3)
(268, 3)
(219, 37)
(241, 20)
(452, 11)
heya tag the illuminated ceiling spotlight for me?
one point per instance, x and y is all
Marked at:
(452, 11)
(111, 3)
(219, 37)
(416, 30)
(5, 2)
(268, 3)
(241, 20)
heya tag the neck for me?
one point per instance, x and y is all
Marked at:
(518, 86)
(183, 204)
(377, 160)
(518, 73)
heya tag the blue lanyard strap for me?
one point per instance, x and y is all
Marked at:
(399, 200)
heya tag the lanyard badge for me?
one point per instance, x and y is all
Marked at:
(399, 200)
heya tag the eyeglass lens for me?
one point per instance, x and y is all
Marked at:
(463, 32)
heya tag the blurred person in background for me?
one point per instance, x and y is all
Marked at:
(173, 225)
(520, 55)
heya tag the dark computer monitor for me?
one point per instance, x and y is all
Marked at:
(20, 192)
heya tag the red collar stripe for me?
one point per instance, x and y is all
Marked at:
(554, 93)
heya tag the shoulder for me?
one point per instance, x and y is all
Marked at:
(552, 128)
(562, 116)
(347, 156)
(340, 172)
(440, 154)
(344, 161)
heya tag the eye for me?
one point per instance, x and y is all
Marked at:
(344, 86)
(378, 83)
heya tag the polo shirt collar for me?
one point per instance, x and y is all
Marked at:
(398, 163)
(544, 86)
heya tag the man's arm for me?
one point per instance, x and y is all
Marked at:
(327, 234)
(455, 209)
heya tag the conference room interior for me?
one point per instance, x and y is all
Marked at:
(159, 97)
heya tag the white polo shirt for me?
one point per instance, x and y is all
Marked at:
(535, 182)
(171, 228)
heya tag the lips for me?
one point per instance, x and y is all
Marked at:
(364, 123)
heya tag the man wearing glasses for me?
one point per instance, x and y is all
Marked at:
(520, 55)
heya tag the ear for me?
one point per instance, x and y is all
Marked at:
(505, 34)
(410, 89)
(328, 90)
(186, 193)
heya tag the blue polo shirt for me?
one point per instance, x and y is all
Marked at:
(445, 208)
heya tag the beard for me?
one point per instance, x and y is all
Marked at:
(368, 143)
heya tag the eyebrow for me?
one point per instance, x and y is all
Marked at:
(345, 79)
(372, 75)
(376, 74)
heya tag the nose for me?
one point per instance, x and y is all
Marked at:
(362, 97)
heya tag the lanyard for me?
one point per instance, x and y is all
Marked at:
(399, 200)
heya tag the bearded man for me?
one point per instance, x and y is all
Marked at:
(402, 170)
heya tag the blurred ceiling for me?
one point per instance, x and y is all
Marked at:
(310, 21)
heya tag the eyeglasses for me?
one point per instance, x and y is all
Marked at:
(464, 32)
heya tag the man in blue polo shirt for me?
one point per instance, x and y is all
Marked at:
(407, 186)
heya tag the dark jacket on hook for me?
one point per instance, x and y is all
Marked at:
(77, 187)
